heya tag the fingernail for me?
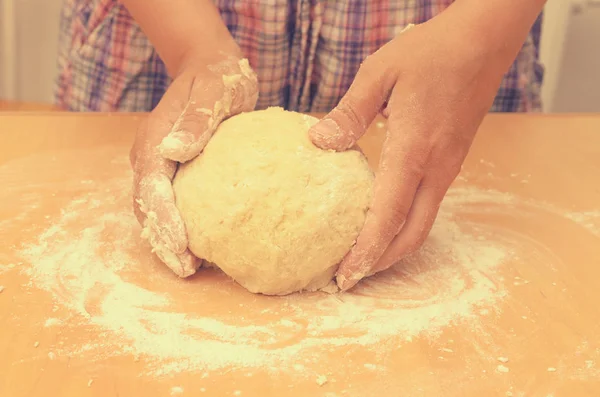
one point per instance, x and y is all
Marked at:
(340, 280)
(345, 283)
(327, 134)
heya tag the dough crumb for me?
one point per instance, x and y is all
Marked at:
(90, 382)
(370, 366)
(237, 393)
(1, 288)
(51, 356)
(321, 380)
(205, 111)
(502, 368)
(503, 359)
(589, 364)
(298, 367)
(52, 321)
(551, 369)
(175, 390)
(36, 344)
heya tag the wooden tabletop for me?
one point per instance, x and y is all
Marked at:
(502, 300)
(20, 106)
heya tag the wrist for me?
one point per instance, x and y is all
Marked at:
(183, 30)
(201, 54)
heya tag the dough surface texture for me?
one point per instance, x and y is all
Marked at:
(270, 209)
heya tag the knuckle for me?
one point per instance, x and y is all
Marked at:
(191, 117)
(413, 167)
(452, 171)
(347, 110)
(369, 65)
(380, 77)
(447, 169)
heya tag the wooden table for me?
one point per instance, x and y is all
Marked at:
(20, 106)
(502, 300)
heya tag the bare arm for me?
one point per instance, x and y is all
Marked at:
(198, 51)
(183, 29)
(496, 28)
(435, 99)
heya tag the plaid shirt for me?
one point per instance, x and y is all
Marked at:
(305, 52)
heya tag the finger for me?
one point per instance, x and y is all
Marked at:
(349, 120)
(152, 191)
(418, 224)
(183, 264)
(211, 101)
(156, 203)
(400, 172)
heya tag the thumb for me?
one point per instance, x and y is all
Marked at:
(349, 120)
(211, 100)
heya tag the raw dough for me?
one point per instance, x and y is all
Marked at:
(273, 211)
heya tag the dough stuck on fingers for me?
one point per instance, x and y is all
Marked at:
(269, 208)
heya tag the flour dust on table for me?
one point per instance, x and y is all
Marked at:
(91, 260)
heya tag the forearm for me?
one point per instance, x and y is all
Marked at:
(498, 28)
(182, 29)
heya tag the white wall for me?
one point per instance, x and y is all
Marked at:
(557, 15)
(570, 51)
(578, 89)
(36, 47)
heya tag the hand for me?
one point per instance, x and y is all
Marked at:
(435, 88)
(202, 95)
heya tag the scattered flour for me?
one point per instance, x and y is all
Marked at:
(88, 269)
(321, 380)
(588, 219)
(51, 322)
(91, 259)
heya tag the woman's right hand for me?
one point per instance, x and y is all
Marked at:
(203, 94)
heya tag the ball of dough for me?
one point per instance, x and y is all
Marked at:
(270, 209)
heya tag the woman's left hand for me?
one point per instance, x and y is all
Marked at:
(435, 88)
